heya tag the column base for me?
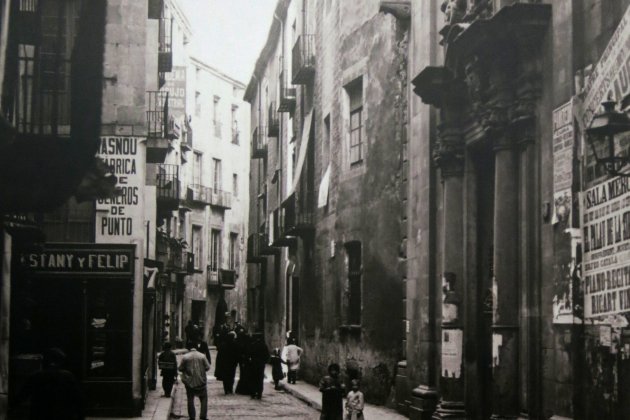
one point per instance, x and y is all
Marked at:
(423, 403)
(402, 389)
(450, 410)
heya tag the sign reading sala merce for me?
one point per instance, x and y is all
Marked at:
(606, 248)
(80, 259)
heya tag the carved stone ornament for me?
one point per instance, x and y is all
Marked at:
(454, 11)
(449, 151)
(400, 9)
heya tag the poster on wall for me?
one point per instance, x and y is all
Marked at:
(176, 87)
(563, 141)
(120, 219)
(606, 249)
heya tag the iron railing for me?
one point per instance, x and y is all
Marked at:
(155, 9)
(168, 186)
(273, 121)
(165, 50)
(199, 194)
(227, 278)
(303, 60)
(287, 94)
(221, 199)
(259, 143)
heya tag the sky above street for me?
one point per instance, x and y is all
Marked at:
(229, 34)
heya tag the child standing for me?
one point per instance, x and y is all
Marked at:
(168, 367)
(332, 394)
(293, 354)
(355, 402)
(276, 367)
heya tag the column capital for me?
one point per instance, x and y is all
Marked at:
(449, 151)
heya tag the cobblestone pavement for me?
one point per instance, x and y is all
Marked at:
(273, 405)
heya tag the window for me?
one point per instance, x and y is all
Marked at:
(197, 168)
(215, 117)
(355, 96)
(216, 163)
(235, 184)
(353, 255)
(235, 132)
(197, 245)
(233, 251)
(215, 249)
(197, 104)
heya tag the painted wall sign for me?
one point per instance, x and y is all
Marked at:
(563, 142)
(611, 72)
(452, 353)
(606, 248)
(121, 218)
(176, 87)
(84, 260)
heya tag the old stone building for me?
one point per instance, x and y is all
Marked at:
(328, 102)
(508, 312)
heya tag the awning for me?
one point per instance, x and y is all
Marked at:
(322, 198)
(306, 134)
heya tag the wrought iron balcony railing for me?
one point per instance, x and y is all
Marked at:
(303, 60)
(298, 220)
(197, 193)
(279, 239)
(156, 8)
(253, 249)
(165, 50)
(287, 96)
(29, 22)
(259, 143)
(168, 187)
(227, 278)
(220, 199)
(273, 121)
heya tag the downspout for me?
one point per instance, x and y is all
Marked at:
(280, 119)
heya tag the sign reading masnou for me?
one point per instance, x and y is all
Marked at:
(83, 259)
(606, 248)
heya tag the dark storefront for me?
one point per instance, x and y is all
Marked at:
(79, 298)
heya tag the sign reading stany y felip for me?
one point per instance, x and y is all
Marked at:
(80, 259)
(120, 219)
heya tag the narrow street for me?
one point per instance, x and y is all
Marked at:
(273, 405)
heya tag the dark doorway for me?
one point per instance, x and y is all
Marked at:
(198, 313)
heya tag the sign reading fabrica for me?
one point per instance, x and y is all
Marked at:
(120, 219)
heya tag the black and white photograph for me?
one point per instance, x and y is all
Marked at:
(315, 209)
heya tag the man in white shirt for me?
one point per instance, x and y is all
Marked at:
(193, 367)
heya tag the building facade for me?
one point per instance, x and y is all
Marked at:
(515, 298)
(328, 100)
(111, 273)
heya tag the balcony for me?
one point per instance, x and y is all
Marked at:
(158, 127)
(155, 9)
(298, 219)
(273, 122)
(259, 143)
(171, 252)
(212, 277)
(266, 247)
(199, 194)
(186, 142)
(29, 29)
(227, 279)
(220, 199)
(303, 60)
(165, 50)
(287, 96)
(278, 224)
(167, 188)
(253, 249)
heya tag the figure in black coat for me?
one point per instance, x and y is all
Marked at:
(168, 368)
(258, 358)
(227, 353)
(243, 341)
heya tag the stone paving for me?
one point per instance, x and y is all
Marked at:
(273, 405)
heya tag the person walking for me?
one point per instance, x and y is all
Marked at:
(259, 356)
(54, 393)
(167, 363)
(276, 368)
(355, 402)
(293, 354)
(193, 367)
(332, 394)
(191, 331)
(227, 354)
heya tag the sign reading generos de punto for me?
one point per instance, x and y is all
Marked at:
(606, 248)
(120, 218)
(83, 259)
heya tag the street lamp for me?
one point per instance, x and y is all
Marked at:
(601, 136)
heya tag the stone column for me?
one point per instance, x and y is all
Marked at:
(5, 315)
(505, 288)
(449, 158)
